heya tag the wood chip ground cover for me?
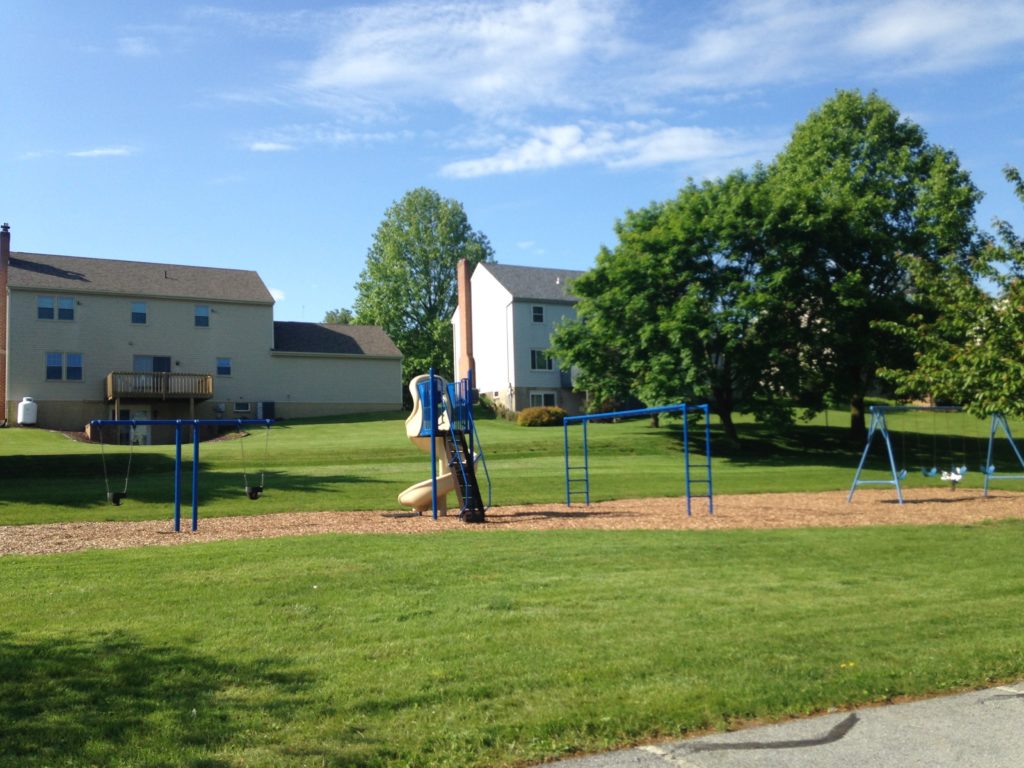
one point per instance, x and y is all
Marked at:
(925, 506)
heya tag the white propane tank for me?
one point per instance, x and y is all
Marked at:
(27, 411)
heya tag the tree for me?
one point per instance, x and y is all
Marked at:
(968, 340)
(680, 310)
(341, 316)
(408, 286)
(857, 189)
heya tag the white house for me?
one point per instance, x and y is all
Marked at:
(99, 338)
(515, 310)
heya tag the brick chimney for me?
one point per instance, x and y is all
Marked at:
(5, 266)
(466, 361)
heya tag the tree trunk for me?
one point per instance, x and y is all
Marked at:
(725, 415)
(858, 432)
(655, 423)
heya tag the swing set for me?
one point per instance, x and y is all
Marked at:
(953, 472)
(252, 490)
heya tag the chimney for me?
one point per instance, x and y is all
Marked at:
(5, 266)
(466, 361)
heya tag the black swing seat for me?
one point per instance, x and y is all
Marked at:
(254, 491)
(114, 497)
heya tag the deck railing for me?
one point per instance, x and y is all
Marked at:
(163, 386)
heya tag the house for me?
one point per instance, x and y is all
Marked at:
(514, 311)
(98, 338)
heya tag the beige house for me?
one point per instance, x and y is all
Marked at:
(98, 338)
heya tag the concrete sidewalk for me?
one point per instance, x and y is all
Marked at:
(983, 729)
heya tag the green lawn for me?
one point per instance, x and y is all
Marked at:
(472, 647)
(476, 648)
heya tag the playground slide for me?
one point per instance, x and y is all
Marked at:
(420, 496)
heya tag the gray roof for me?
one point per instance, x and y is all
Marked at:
(327, 339)
(534, 283)
(75, 274)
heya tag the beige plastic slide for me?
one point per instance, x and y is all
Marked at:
(420, 495)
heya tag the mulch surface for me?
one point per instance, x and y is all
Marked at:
(925, 506)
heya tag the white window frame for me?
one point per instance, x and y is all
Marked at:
(535, 310)
(241, 406)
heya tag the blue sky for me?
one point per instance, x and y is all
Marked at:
(273, 135)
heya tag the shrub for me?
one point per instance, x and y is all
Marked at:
(547, 416)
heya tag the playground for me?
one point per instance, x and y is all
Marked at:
(924, 506)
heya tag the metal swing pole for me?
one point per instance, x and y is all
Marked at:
(877, 425)
(177, 476)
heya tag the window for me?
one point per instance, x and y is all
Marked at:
(223, 366)
(62, 366)
(55, 308)
(202, 316)
(538, 399)
(241, 407)
(151, 364)
(540, 361)
(139, 312)
(73, 369)
(44, 308)
(54, 366)
(538, 314)
(65, 308)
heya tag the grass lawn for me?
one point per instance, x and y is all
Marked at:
(473, 647)
(485, 649)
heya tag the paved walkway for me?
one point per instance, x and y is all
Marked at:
(983, 729)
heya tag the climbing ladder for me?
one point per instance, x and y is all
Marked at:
(697, 476)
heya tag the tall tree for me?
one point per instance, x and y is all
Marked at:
(340, 316)
(408, 286)
(680, 309)
(968, 340)
(856, 188)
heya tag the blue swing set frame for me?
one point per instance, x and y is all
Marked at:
(879, 428)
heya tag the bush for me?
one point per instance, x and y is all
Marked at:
(547, 416)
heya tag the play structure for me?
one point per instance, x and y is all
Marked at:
(695, 475)
(952, 465)
(252, 490)
(441, 423)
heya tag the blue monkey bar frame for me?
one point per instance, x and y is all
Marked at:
(178, 424)
(681, 408)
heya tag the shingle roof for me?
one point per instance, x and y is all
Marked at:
(76, 274)
(326, 339)
(534, 283)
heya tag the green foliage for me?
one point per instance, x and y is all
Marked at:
(408, 286)
(857, 187)
(342, 316)
(526, 647)
(681, 309)
(967, 341)
(541, 416)
(758, 291)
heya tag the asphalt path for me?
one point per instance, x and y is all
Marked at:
(981, 729)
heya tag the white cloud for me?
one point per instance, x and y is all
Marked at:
(277, 294)
(628, 145)
(136, 47)
(269, 146)
(937, 35)
(104, 152)
(481, 57)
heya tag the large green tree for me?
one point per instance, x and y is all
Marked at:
(408, 286)
(857, 189)
(680, 308)
(968, 340)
